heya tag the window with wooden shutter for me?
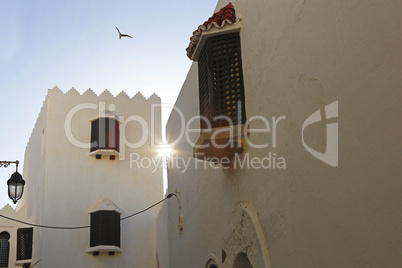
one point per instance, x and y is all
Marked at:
(105, 228)
(24, 243)
(221, 99)
(4, 249)
(105, 133)
(221, 86)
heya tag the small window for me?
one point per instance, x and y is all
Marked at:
(4, 249)
(24, 243)
(105, 228)
(221, 87)
(105, 134)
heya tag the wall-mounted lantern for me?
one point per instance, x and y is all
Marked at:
(15, 183)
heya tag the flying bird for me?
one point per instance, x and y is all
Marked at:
(122, 35)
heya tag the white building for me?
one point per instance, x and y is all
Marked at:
(307, 174)
(76, 163)
(313, 207)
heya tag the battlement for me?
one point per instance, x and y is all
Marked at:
(137, 103)
(89, 93)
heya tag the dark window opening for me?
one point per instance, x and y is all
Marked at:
(105, 134)
(221, 86)
(105, 228)
(242, 261)
(4, 249)
(24, 243)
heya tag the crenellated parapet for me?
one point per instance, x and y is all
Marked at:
(61, 102)
(89, 93)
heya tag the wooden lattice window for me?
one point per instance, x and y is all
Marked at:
(24, 243)
(105, 228)
(105, 134)
(4, 248)
(221, 86)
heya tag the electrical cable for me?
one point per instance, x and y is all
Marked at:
(129, 216)
(88, 226)
(44, 226)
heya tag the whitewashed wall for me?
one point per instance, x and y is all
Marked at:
(299, 56)
(64, 182)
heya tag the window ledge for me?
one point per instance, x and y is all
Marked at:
(210, 146)
(22, 262)
(106, 152)
(103, 249)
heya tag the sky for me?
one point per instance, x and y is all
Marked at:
(47, 43)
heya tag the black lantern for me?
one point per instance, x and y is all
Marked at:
(15, 187)
(15, 183)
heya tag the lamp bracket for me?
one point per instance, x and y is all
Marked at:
(7, 163)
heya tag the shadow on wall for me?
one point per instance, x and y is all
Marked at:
(242, 261)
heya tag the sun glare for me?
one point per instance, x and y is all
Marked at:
(165, 152)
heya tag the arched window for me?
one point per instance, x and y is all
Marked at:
(4, 248)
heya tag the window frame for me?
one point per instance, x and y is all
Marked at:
(105, 150)
(106, 205)
(103, 234)
(27, 246)
(6, 248)
(220, 80)
(233, 135)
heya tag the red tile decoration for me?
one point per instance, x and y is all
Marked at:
(226, 15)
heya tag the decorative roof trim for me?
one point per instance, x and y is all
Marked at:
(105, 205)
(224, 18)
(106, 94)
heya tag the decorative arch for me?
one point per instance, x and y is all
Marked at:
(245, 243)
(212, 262)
